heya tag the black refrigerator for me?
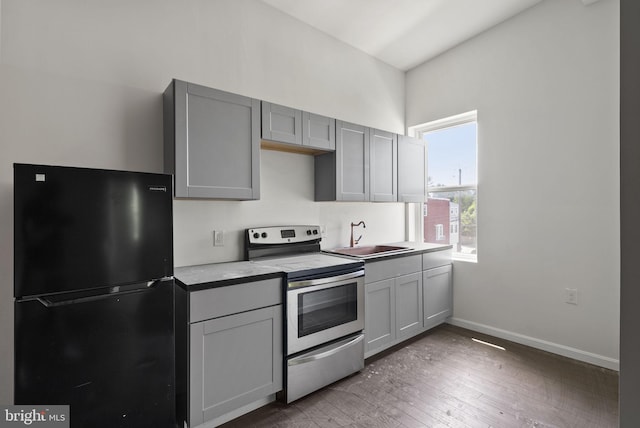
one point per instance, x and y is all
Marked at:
(93, 288)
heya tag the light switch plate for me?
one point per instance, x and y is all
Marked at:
(218, 238)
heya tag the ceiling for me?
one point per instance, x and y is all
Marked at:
(402, 33)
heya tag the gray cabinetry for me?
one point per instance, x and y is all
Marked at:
(408, 305)
(294, 127)
(412, 169)
(380, 315)
(363, 167)
(405, 296)
(438, 295)
(393, 302)
(235, 360)
(437, 283)
(281, 124)
(383, 166)
(318, 132)
(235, 344)
(343, 175)
(352, 162)
(212, 142)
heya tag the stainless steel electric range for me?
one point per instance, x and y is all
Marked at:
(324, 300)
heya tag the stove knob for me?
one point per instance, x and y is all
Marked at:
(264, 234)
(308, 232)
(315, 231)
(256, 235)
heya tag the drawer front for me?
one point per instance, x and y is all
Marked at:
(391, 268)
(313, 370)
(222, 301)
(436, 258)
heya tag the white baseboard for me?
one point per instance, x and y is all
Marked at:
(566, 351)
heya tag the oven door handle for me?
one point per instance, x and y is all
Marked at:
(325, 354)
(319, 281)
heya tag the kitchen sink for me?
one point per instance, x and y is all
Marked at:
(369, 251)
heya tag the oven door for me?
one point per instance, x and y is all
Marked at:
(324, 309)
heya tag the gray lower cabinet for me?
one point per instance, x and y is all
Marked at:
(233, 350)
(438, 295)
(380, 315)
(383, 180)
(412, 169)
(393, 311)
(235, 360)
(211, 142)
(406, 296)
(409, 305)
(393, 303)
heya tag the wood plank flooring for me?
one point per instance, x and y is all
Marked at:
(445, 379)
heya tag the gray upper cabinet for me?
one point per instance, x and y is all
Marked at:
(412, 169)
(344, 174)
(293, 127)
(352, 162)
(318, 132)
(281, 124)
(364, 166)
(212, 142)
(383, 166)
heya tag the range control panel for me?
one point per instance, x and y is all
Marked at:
(283, 234)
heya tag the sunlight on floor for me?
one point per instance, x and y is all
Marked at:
(487, 343)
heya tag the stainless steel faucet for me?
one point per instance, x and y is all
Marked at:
(353, 242)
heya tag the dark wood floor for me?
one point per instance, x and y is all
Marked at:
(444, 379)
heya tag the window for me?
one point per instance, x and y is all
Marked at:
(452, 183)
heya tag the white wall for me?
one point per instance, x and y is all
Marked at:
(545, 85)
(81, 84)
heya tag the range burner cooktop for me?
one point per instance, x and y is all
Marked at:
(295, 250)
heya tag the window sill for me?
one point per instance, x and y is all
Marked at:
(470, 258)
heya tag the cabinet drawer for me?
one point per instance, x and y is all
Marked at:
(221, 301)
(436, 258)
(391, 268)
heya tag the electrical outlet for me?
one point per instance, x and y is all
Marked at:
(323, 231)
(571, 296)
(218, 238)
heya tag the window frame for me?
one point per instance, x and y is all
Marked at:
(418, 131)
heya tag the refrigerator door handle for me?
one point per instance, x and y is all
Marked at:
(52, 301)
(55, 303)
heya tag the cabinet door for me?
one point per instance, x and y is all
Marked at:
(383, 174)
(408, 305)
(318, 132)
(412, 169)
(379, 315)
(212, 142)
(352, 162)
(282, 124)
(437, 295)
(234, 361)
